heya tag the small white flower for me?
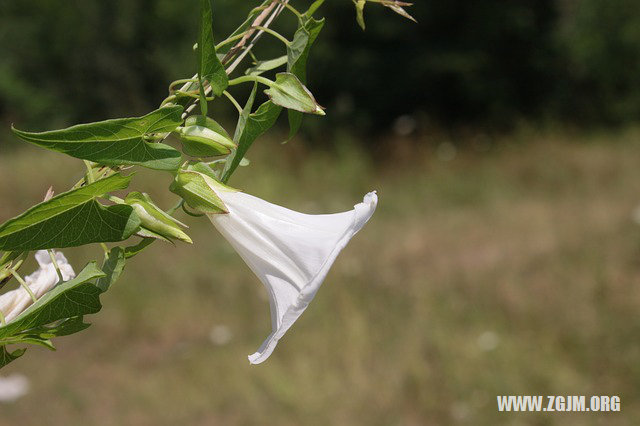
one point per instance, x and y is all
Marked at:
(14, 302)
(289, 252)
(13, 387)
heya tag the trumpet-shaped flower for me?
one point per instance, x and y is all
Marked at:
(290, 252)
(14, 302)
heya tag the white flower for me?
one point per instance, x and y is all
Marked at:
(14, 302)
(290, 252)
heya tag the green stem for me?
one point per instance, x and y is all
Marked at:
(181, 81)
(233, 101)
(90, 178)
(55, 264)
(114, 199)
(251, 79)
(3, 321)
(24, 285)
(293, 10)
(273, 33)
(230, 40)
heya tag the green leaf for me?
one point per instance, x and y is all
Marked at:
(306, 35)
(314, 6)
(112, 267)
(210, 68)
(6, 357)
(360, 12)
(69, 299)
(134, 250)
(289, 92)
(116, 142)
(250, 127)
(264, 66)
(71, 219)
(65, 328)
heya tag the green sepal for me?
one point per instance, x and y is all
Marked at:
(199, 191)
(204, 137)
(154, 219)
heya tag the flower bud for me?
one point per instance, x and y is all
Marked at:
(155, 223)
(199, 191)
(204, 137)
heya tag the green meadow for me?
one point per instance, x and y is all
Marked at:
(491, 267)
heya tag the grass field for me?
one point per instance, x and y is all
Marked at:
(509, 267)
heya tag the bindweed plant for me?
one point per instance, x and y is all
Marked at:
(289, 252)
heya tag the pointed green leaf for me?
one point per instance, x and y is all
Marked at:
(71, 219)
(112, 267)
(252, 127)
(116, 142)
(69, 299)
(6, 357)
(136, 249)
(360, 12)
(264, 66)
(306, 35)
(210, 67)
(289, 92)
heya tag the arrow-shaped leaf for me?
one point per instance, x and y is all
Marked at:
(250, 127)
(116, 142)
(73, 218)
(210, 67)
(298, 53)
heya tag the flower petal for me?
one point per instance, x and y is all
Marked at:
(14, 302)
(290, 252)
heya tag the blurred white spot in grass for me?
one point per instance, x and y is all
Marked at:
(13, 387)
(446, 151)
(460, 411)
(220, 335)
(488, 341)
(635, 215)
(404, 125)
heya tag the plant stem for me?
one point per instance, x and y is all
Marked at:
(251, 78)
(273, 33)
(24, 285)
(55, 264)
(233, 101)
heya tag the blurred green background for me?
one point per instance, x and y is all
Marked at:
(504, 257)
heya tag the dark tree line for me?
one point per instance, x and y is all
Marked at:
(483, 63)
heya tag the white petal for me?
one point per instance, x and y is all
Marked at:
(14, 302)
(290, 252)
